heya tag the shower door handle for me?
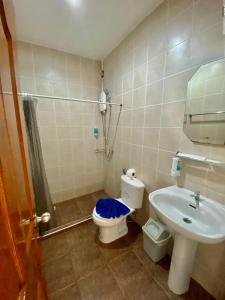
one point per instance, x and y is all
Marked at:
(44, 218)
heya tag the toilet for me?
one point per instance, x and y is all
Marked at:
(111, 229)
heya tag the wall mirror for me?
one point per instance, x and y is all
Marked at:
(204, 118)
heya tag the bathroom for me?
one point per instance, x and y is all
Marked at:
(104, 94)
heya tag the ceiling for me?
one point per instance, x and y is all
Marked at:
(90, 28)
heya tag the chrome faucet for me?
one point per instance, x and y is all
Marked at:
(197, 197)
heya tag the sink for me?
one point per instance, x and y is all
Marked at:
(206, 224)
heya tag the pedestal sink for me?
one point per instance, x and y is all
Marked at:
(176, 207)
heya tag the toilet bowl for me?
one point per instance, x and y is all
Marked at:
(111, 229)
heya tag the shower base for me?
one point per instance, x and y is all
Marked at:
(74, 211)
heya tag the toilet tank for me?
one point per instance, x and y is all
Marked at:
(132, 191)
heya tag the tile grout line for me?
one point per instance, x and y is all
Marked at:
(152, 276)
(117, 282)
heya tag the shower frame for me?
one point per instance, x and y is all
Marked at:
(64, 98)
(75, 223)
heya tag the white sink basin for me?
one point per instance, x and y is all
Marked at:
(191, 225)
(172, 205)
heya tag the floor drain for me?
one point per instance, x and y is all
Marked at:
(187, 220)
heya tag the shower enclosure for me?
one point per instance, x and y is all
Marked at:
(77, 151)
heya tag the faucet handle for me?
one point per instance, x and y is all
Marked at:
(196, 195)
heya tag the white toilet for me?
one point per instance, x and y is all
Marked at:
(112, 229)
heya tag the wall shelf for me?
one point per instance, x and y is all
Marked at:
(201, 159)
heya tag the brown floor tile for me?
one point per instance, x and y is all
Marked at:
(100, 285)
(77, 208)
(68, 211)
(125, 265)
(54, 247)
(86, 204)
(82, 234)
(59, 273)
(121, 245)
(131, 276)
(70, 292)
(144, 258)
(100, 194)
(86, 259)
(156, 293)
(113, 249)
(134, 231)
(159, 271)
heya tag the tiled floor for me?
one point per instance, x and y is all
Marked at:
(78, 266)
(77, 208)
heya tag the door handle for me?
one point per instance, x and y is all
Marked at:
(44, 218)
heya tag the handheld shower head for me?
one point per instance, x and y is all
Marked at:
(108, 98)
(106, 91)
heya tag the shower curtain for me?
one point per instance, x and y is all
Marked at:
(42, 195)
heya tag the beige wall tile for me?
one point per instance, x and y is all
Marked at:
(180, 28)
(207, 46)
(140, 76)
(48, 132)
(176, 86)
(136, 155)
(154, 93)
(164, 161)
(178, 58)
(25, 62)
(42, 62)
(152, 116)
(73, 66)
(46, 117)
(140, 55)
(127, 100)
(173, 114)
(127, 82)
(206, 13)
(170, 139)
(26, 84)
(138, 118)
(177, 6)
(139, 97)
(137, 136)
(156, 67)
(148, 168)
(151, 137)
(157, 42)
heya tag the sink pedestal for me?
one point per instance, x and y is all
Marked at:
(183, 256)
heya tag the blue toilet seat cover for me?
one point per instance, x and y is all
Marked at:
(111, 208)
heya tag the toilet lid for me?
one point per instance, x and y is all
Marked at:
(111, 208)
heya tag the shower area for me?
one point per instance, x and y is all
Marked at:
(71, 124)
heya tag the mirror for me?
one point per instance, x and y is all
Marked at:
(204, 118)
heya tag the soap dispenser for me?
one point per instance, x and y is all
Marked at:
(176, 167)
(96, 132)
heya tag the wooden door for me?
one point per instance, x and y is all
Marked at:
(20, 271)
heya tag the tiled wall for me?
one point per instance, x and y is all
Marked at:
(149, 72)
(73, 169)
